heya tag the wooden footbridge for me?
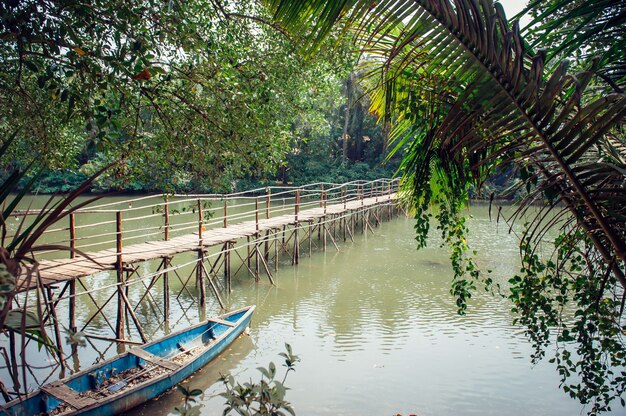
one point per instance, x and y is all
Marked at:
(226, 234)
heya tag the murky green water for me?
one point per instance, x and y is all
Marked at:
(378, 334)
(376, 330)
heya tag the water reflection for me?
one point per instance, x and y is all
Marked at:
(378, 333)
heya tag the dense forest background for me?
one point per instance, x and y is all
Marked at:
(314, 154)
(228, 104)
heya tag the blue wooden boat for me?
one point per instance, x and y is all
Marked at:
(138, 375)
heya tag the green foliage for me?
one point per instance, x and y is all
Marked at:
(562, 26)
(562, 297)
(176, 95)
(267, 397)
(189, 407)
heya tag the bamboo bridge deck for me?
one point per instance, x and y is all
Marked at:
(62, 270)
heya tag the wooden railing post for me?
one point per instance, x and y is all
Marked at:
(297, 207)
(200, 220)
(324, 200)
(167, 218)
(322, 196)
(256, 213)
(118, 227)
(200, 263)
(268, 202)
(225, 213)
(362, 193)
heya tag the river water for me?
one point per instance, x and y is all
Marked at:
(377, 333)
(376, 330)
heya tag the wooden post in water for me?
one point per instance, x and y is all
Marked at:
(119, 268)
(227, 248)
(389, 209)
(248, 255)
(268, 202)
(275, 238)
(200, 263)
(57, 331)
(166, 262)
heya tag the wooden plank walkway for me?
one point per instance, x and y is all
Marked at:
(61, 270)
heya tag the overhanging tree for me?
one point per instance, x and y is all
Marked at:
(160, 89)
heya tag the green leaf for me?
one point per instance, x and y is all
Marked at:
(182, 389)
(195, 392)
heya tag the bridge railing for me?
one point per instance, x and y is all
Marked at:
(127, 221)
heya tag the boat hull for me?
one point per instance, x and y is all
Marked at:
(224, 333)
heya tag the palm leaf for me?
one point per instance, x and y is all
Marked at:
(468, 95)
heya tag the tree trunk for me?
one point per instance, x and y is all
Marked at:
(357, 130)
(346, 121)
(386, 131)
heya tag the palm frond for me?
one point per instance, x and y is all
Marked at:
(468, 96)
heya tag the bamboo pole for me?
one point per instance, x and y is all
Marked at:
(72, 235)
(166, 288)
(72, 283)
(256, 239)
(167, 219)
(248, 255)
(296, 242)
(256, 258)
(256, 214)
(276, 250)
(57, 330)
(129, 308)
(227, 248)
(200, 221)
(225, 213)
(119, 329)
(267, 270)
(215, 292)
(166, 262)
(200, 263)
